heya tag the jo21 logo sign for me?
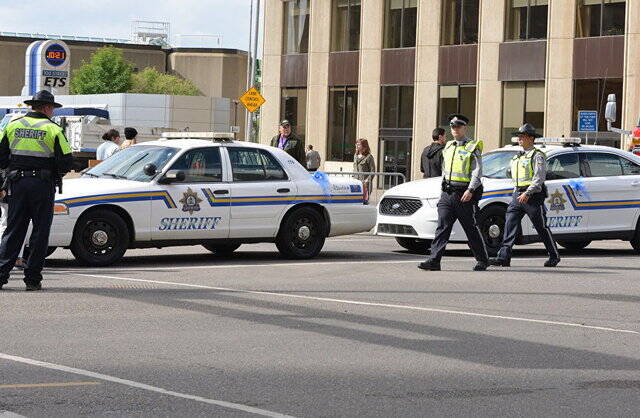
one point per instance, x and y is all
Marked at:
(47, 67)
(55, 55)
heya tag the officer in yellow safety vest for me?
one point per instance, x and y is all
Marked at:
(461, 192)
(35, 154)
(528, 171)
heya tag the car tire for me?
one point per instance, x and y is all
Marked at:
(635, 241)
(574, 245)
(491, 222)
(222, 249)
(302, 234)
(100, 238)
(414, 245)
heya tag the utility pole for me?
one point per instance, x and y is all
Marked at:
(247, 119)
(254, 59)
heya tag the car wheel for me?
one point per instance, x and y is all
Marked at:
(222, 249)
(574, 245)
(301, 234)
(415, 245)
(100, 238)
(635, 241)
(491, 224)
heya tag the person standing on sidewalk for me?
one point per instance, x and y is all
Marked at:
(313, 159)
(431, 159)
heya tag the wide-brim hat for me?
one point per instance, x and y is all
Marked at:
(526, 129)
(43, 97)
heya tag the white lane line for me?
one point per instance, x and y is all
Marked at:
(143, 386)
(8, 414)
(362, 303)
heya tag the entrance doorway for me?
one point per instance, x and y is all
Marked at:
(395, 157)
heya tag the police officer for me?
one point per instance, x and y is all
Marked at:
(35, 154)
(461, 191)
(528, 171)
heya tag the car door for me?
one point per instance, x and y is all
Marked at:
(613, 192)
(565, 174)
(196, 213)
(261, 192)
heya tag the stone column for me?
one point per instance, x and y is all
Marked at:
(371, 28)
(631, 106)
(489, 88)
(558, 113)
(272, 58)
(318, 76)
(425, 104)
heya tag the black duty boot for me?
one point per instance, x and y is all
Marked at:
(552, 262)
(499, 262)
(480, 266)
(32, 287)
(430, 265)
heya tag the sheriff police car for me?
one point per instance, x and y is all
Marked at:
(594, 194)
(204, 188)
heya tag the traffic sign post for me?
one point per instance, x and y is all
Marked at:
(587, 122)
(252, 100)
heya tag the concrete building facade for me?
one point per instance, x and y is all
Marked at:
(216, 72)
(391, 71)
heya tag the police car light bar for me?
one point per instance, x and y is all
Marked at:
(562, 141)
(214, 136)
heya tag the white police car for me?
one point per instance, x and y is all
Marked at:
(216, 192)
(594, 194)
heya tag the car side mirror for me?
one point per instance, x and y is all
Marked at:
(173, 176)
(610, 109)
(150, 170)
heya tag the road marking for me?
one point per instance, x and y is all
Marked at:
(143, 386)
(7, 414)
(362, 303)
(49, 385)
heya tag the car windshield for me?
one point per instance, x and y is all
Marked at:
(496, 164)
(5, 121)
(129, 163)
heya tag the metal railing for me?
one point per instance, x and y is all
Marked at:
(378, 182)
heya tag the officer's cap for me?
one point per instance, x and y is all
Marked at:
(527, 129)
(285, 123)
(42, 97)
(458, 119)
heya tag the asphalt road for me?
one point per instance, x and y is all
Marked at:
(359, 331)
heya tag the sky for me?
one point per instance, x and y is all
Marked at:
(112, 18)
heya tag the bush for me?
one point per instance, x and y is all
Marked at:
(151, 81)
(106, 72)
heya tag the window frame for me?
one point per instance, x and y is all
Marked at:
(347, 28)
(527, 37)
(460, 21)
(620, 158)
(581, 165)
(524, 106)
(342, 90)
(601, 21)
(397, 98)
(175, 161)
(402, 26)
(285, 28)
(260, 152)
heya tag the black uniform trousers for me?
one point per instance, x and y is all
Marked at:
(537, 212)
(31, 200)
(450, 209)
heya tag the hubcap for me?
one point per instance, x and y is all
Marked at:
(304, 233)
(99, 238)
(494, 231)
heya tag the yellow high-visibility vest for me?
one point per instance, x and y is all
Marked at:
(35, 137)
(456, 164)
(522, 168)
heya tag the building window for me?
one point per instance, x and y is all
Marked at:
(600, 18)
(400, 20)
(457, 99)
(345, 25)
(592, 95)
(460, 22)
(396, 107)
(522, 102)
(296, 27)
(527, 19)
(293, 107)
(343, 112)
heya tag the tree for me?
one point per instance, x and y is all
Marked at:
(106, 72)
(150, 81)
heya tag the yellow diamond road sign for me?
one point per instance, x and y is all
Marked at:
(252, 99)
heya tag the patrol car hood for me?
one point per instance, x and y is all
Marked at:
(423, 189)
(91, 186)
(431, 188)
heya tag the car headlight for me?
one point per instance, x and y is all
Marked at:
(60, 209)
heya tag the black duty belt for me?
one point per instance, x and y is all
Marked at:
(522, 189)
(453, 189)
(21, 173)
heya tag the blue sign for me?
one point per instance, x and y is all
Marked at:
(55, 55)
(587, 121)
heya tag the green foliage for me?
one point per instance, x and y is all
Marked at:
(150, 81)
(106, 72)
